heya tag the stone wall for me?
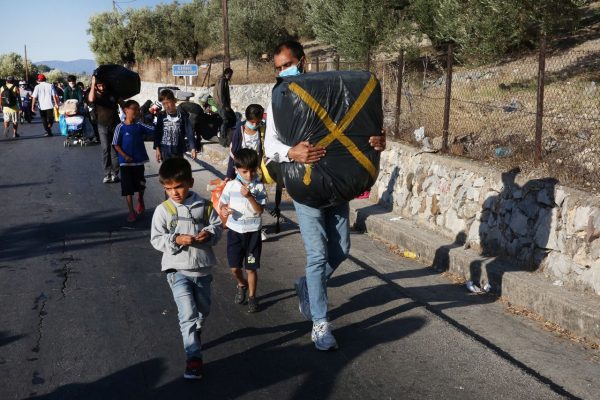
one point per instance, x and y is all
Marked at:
(241, 95)
(537, 223)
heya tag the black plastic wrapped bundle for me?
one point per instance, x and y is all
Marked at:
(121, 82)
(336, 110)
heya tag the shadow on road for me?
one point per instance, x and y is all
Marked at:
(82, 232)
(257, 368)
(5, 339)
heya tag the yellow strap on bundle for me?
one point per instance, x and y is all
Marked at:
(336, 131)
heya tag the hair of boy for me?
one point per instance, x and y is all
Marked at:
(130, 103)
(227, 71)
(294, 46)
(71, 78)
(166, 94)
(254, 111)
(246, 158)
(175, 170)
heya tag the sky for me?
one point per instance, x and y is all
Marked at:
(56, 29)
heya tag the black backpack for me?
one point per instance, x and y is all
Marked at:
(8, 96)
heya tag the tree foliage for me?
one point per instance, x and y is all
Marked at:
(486, 29)
(482, 29)
(112, 40)
(357, 28)
(12, 64)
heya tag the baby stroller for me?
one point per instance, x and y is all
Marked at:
(71, 124)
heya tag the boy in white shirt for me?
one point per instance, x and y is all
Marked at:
(243, 200)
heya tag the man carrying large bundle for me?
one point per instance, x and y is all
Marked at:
(309, 159)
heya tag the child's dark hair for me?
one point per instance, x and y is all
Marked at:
(175, 170)
(246, 158)
(130, 103)
(71, 78)
(166, 94)
(254, 111)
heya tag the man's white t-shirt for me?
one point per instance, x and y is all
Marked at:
(244, 218)
(44, 93)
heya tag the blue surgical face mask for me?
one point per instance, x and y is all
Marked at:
(291, 71)
(241, 179)
(251, 126)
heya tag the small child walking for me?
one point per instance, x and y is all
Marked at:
(185, 227)
(128, 142)
(243, 200)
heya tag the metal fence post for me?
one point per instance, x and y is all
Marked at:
(539, 116)
(447, 98)
(337, 62)
(317, 61)
(399, 93)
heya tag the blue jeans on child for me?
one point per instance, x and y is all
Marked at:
(192, 296)
(326, 236)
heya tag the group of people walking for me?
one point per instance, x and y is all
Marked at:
(185, 227)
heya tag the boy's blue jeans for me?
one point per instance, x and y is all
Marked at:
(192, 296)
(326, 236)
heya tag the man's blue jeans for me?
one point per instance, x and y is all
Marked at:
(192, 296)
(326, 236)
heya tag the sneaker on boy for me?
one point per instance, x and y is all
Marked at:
(252, 304)
(193, 369)
(185, 228)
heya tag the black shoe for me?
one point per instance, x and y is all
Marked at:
(17, 135)
(193, 369)
(240, 295)
(252, 305)
(48, 135)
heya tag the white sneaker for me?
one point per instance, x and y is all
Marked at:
(107, 179)
(302, 293)
(263, 235)
(322, 337)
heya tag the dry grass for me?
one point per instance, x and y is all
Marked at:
(495, 107)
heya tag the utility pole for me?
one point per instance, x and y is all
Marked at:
(226, 58)
(114, 5)
(26, 66)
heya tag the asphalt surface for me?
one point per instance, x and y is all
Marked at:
(85, 312)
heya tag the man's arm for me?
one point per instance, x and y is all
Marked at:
(55, 97)
(92, 93)
(33, 98)
(303, 152)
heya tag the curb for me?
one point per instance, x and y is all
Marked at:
(575, 312)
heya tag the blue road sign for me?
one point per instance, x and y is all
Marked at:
(185, 70)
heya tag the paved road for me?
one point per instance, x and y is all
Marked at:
(86, 314)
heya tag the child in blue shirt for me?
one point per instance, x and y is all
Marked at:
(128, 142)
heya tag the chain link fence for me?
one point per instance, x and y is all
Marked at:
(539, 111)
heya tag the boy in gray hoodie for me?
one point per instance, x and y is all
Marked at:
(184, 229)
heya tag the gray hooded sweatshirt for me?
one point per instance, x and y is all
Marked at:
(190, 221)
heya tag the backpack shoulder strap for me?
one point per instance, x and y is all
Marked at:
(172, 211)
(208, 207)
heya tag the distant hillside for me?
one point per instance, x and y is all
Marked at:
(75, 66)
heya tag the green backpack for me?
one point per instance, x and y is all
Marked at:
(175, 217)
